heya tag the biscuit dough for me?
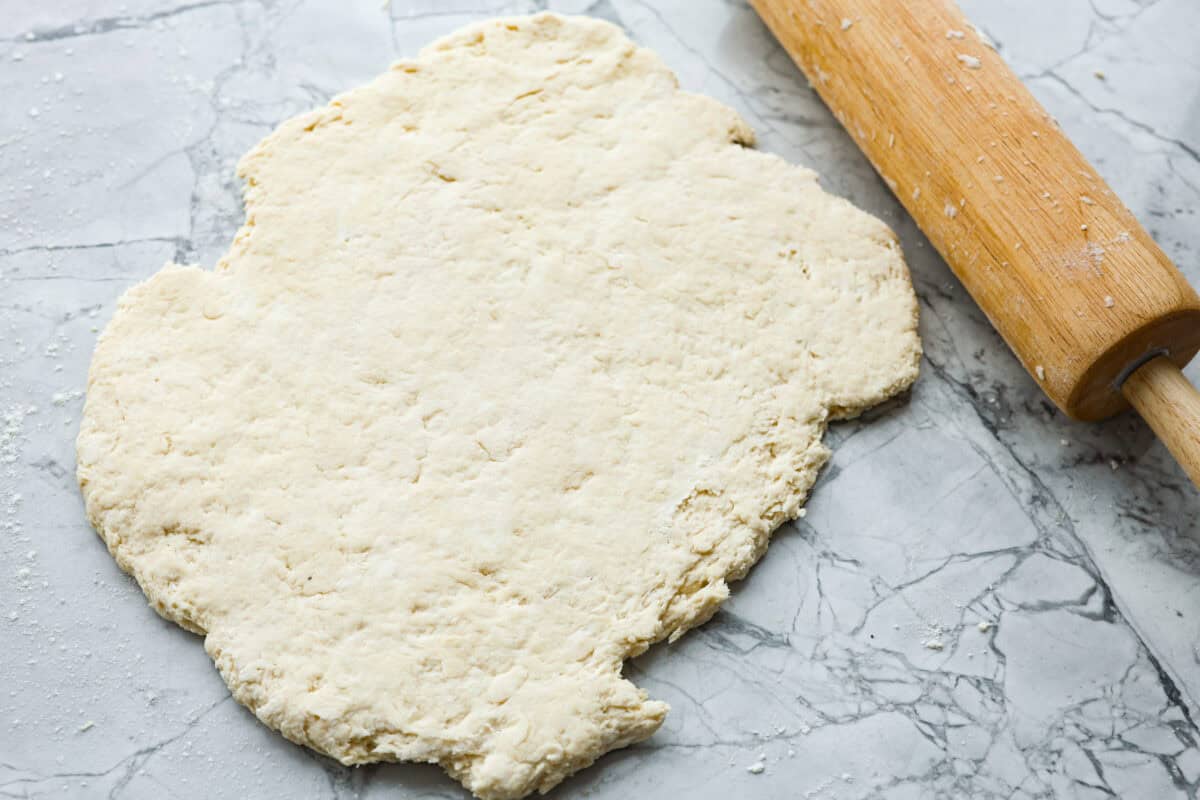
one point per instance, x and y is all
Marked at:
(520, 356)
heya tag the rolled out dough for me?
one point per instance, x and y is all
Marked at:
(519, 357)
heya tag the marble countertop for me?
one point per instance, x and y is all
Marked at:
(985, 599)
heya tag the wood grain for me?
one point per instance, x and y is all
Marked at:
(1171, 405)
(1060, 266)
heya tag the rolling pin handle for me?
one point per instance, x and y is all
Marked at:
(1170, 404)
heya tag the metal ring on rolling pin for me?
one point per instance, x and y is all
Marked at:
(1134, 366)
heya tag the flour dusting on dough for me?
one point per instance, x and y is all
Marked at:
(519, 358)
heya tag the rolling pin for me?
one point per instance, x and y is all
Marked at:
(1084, 297)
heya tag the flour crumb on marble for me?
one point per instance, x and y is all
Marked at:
(61, 399)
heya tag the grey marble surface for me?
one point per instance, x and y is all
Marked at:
(851, 662)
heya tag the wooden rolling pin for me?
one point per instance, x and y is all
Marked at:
(1076, 286)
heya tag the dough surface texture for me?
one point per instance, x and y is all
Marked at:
(520, 355)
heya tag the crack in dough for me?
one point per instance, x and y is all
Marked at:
(519, 357)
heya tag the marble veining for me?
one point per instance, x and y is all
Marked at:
(984, 598)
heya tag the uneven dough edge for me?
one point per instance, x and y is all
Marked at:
(748, 470)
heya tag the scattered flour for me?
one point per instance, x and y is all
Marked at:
(61, 399)
(934, 635)
(12, 437)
